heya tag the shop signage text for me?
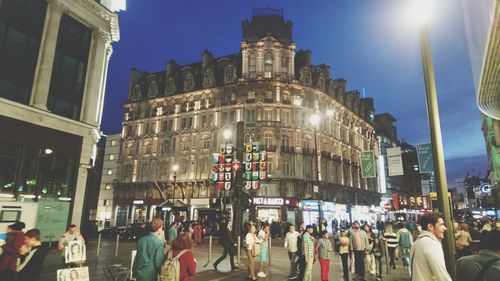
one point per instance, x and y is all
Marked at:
(268, 201)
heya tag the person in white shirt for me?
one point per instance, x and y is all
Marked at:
(291, 246)
(426, 256)
(250, 240)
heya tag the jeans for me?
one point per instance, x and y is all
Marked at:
(227, 250)
(391, 254)
(405, 252)
(345, 265)
(378, 261)
(292, 256)
(301, 267)
(359, 263)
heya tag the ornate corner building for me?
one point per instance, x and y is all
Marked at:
(176, 117)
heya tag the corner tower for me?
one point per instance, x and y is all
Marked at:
(267, 48)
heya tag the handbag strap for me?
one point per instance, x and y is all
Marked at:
(484, 269)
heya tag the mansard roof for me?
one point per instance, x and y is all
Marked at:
(267, 22)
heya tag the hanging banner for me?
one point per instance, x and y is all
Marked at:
(425, 162)
(394, 161)
(368, 164)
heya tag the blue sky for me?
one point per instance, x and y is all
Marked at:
(368, 42)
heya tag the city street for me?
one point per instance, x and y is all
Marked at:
(277, 271)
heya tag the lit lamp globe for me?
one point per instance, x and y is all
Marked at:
(314, 119)
(227, 133)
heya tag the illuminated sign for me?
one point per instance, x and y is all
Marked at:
(268, 201)
(138, 202)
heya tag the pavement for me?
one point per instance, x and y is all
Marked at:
(277, 270)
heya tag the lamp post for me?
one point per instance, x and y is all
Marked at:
(420, 13)
(227, 134)
(175, 167)
(314, 120)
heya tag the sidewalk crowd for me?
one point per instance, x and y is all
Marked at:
(170, 254)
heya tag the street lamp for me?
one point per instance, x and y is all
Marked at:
(420, 13)
(314, 120)
(175, 167)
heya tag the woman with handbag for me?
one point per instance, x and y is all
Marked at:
(253, 250)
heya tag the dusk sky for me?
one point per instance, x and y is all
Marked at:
(368, 42)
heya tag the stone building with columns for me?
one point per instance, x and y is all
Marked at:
(176, 116)
(54, 58)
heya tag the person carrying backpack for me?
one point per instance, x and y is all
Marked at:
(180, 264)
(405, 241)
(486, 265)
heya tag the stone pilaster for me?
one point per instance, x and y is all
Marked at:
(45, 62)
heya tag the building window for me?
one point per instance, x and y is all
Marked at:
(250, 115)
(285, 98)
(229, 74)
(184, 144)
(21, 26)
(307, 142)
(70, 67)
(113, 143)
(268, 115)
(268, 139)
(205, 142)
(285, 117)
(285, 169)
(109, 171)
(268, 65)
(285, 141)
(111, 157)
(105, 202)
(107, 186)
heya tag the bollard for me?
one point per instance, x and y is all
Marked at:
(50, 240)
(98, 244)
(209, 251)
(387, 267)
(269, 245)
(239, 250)
(117, 242)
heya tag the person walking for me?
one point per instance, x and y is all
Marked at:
(392, 243)
(344, 253)
(31, 266)
(369, 257)
(308, 244)
(251, 240)
(263, 235)
(150, 253)
(427, 257)
(463, 240)
(359, 246)
(324, 250)
(172, 232)
(181, 248)
(228, 243)
(291, 246)
(301, 262)
(377, 253)
(197, 233)
(486, 265)
(71, 235)
(405, 241)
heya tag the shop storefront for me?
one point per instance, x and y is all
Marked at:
(276, 209)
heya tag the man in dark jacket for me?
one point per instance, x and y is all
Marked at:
(486, 265)
(228, 243)
(31, 267)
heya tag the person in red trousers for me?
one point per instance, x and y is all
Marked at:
(324, 250)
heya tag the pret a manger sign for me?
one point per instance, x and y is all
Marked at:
(268, 201)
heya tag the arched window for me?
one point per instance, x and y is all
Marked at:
(184, 144)
(285, 97)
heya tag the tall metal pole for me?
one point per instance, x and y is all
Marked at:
(437, 150)
(320, 203)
